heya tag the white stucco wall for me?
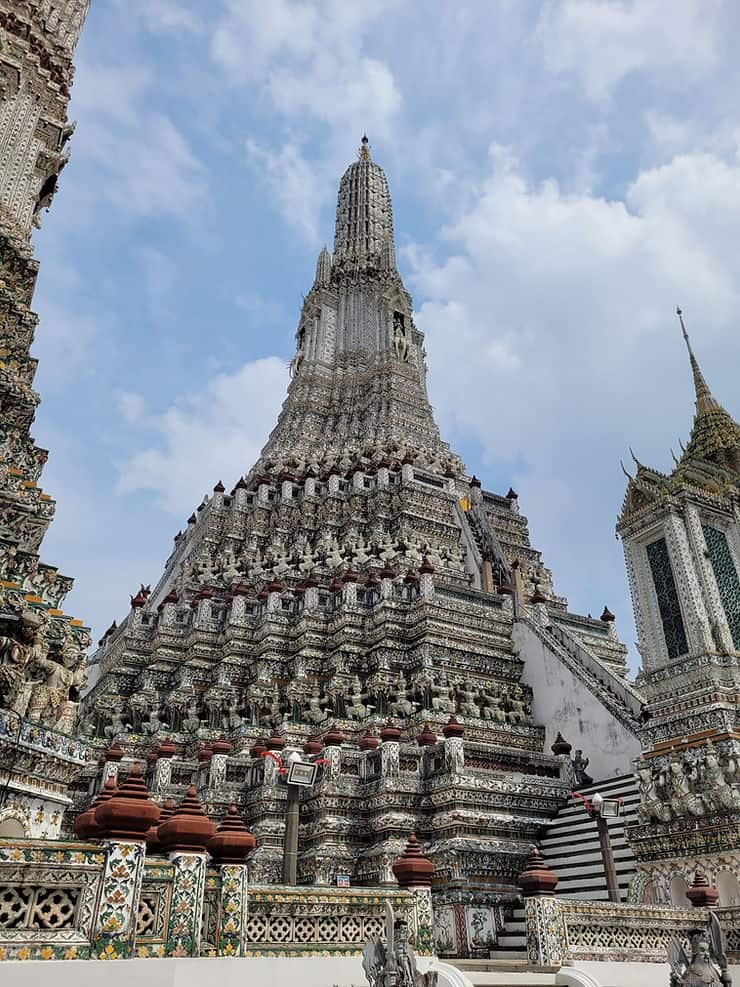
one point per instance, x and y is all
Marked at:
(563, 703)
(257, 971)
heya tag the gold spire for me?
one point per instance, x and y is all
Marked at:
(704, 399)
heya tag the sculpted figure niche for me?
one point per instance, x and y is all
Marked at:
(708, 963)
(35, 683)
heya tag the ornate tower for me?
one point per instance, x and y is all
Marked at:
(681, 537)
(357, 575)
(41, 648)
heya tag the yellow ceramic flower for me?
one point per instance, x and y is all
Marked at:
(47, 953)
(70, 953)
(23, 953)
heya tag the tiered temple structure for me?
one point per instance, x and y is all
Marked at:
(358, 594)
(681, 540)
(41, 647)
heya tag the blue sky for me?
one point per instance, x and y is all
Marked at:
(563, 174)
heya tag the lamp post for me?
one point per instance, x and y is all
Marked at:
(602, 809)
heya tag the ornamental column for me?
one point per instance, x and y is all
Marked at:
(122, 821)
(229, 849)
(414, 872)
(184, 837)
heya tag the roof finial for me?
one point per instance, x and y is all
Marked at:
(704, 399)
(364, 153)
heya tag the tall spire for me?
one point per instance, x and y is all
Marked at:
(704, 398)
(364, 225)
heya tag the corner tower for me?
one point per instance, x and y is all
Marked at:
(681, 538)
(41, 648)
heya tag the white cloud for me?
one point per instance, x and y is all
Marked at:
(143, 164)
(601, 42)
(295, 185)
(309, 59)
(202, 438)
(552, 343)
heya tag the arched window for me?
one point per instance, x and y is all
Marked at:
(729, 891)
(11, 828)
(679, 887)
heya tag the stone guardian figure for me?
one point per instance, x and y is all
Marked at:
(708, 963)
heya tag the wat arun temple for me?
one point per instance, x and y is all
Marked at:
(358, 602)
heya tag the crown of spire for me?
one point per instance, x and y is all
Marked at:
(704, 398)
(364, 225)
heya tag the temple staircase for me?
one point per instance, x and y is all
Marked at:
(570, 843)
(505, 973)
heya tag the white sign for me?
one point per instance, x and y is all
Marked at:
(301, 773)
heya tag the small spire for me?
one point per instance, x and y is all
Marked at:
(704, 399)
(364, 152)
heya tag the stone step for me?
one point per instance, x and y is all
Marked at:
(506, 973)
(512, 940)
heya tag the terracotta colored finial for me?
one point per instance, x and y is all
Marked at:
(368, 741)
(232, 841)
(607, 616)
(427, 737)
(276, 741)
(152, 839)
(453, 728)
(129, 813)
(412, 868)
(221, 746)
(188, 829)
(561, 745)
(313, 745)
(390, 732)
(258, 747)
(85, 827)
(114, 752)
(334, 737)
(701, 894)
(537, 879)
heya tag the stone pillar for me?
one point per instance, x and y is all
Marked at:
(454, 749)
(229, 849)
(113, 758)
(546, 933)
(407, 473)
(390, 753)
(184, 837)
(333, 485)
(286, 490)
(115, 927)
(414, 872)
(383, 476)
(163, 767)
(309, 487)
(333, 741)
(217, 770)
(358, 480)
(263, 491)
(123, 822)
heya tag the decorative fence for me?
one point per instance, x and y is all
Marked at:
(110, 901)
(560, 929)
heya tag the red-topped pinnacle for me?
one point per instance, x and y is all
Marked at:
(167, 748)
(334, 737)
(276, 741)
(537, 878)
(701, 894)
(412, 868)
(390, 732)
(188, 829)
(85, 826)
(561, 745)
(313, 745)
(607, 616)
(232, 840)
(152, 838)
(368, 741)
(427, 737)
(129, 813)
(221, 746)
(453, 728)
(114, 752)
(258, 747)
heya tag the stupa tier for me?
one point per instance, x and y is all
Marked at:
(354, 595)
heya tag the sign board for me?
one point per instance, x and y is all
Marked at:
(342, 880)
(301, 773)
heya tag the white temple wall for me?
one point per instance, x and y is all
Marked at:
(563, 703)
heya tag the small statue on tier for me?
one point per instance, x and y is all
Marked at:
(580, 763)
(708, 964)
(393, 964)
(356, 709)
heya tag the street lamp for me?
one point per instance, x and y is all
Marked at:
(602, 809)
